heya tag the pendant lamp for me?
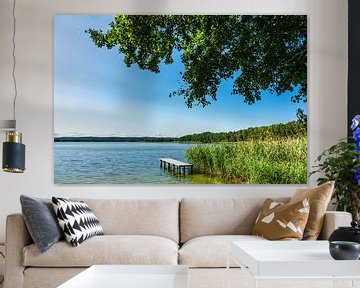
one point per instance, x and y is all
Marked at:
(13, 160)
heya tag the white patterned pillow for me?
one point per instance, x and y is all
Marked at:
(77, 220)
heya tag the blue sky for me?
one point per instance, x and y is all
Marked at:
(95, 94)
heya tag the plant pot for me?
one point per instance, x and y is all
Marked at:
(343, 250)
(350, 234)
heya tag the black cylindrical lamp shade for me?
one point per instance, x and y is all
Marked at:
(13, 157)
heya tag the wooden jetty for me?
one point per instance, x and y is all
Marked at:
(176, 165)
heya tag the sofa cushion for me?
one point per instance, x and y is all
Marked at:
(211, 251)
(41, 221)
(76, 220)
(319, 198)
(279, 221)
(107, 249)
(35, 277)
(200, 217)
(158, 217)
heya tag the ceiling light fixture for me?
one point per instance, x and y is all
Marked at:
(13, 149)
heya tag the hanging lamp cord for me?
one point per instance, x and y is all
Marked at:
(14, 61)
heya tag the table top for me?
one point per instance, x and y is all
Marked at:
(131, 276)
(291, 259)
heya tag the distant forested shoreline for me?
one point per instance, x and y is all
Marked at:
(292, 129)
(115, 139)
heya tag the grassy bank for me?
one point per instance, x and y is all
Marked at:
(253, 162)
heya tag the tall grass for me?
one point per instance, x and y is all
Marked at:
(253, 162)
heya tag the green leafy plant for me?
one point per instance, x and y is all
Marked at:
(340, 163)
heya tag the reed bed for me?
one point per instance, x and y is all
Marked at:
(281, 161)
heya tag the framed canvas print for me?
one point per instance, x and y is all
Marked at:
(180, 99)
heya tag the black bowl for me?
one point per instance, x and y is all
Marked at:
(344, 250)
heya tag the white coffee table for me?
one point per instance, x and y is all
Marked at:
(292, 260)
(131, 276)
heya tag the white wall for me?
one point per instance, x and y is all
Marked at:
(327, 89)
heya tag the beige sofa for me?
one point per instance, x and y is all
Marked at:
(194, 232)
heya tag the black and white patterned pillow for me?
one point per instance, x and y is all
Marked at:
(77, 220)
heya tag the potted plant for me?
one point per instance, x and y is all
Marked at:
(341, 163)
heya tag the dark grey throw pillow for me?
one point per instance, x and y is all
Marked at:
(41, 221)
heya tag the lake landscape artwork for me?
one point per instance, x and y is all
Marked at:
(180, 99)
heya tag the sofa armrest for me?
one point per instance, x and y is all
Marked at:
(333, 220)
(17, 237)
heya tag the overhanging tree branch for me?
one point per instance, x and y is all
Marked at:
(216, 48)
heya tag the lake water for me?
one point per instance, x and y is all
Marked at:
(119, 163)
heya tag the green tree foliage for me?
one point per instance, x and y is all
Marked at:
(257, 52)
(294, 129)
